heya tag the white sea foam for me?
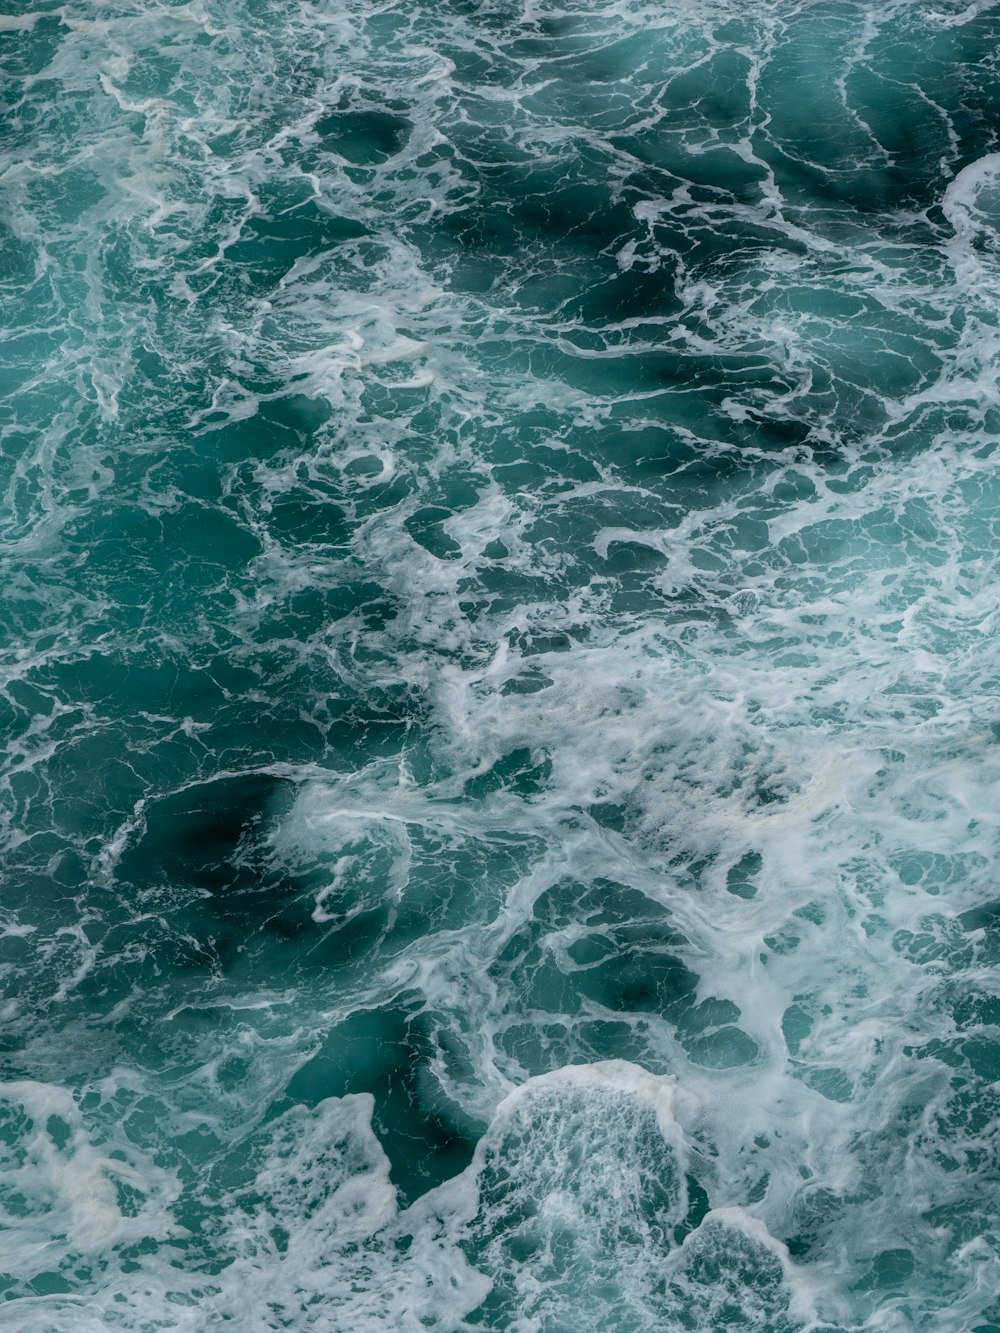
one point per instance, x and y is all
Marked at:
(734, 818)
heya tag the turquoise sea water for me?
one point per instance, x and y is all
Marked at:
(499, 666)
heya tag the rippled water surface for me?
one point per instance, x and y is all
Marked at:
(499, 667)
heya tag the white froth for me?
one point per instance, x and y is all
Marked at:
(779, 744)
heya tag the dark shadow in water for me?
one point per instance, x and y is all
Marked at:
(388, 1052)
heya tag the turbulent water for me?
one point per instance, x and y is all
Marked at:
(499, 665)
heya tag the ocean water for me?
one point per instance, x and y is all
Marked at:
(499, 666)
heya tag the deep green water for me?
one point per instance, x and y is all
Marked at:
(499, 666)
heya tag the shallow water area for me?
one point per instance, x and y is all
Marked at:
(498, 666)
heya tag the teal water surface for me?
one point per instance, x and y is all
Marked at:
(499, 666)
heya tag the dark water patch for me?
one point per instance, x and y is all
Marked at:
(363, 134)
(390, 1053)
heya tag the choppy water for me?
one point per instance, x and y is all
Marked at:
(500, 673)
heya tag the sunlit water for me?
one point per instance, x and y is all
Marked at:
(500, 673)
